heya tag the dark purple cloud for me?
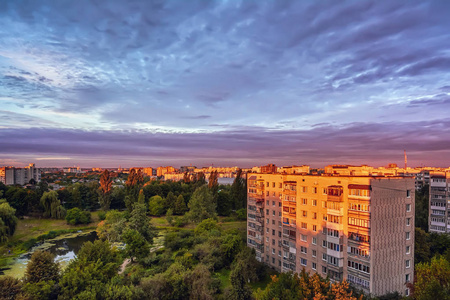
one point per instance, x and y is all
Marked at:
(355, 143)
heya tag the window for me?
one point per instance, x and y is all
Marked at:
(303, 262)
(408, 263)
(267, 194)
(408, 207)
(314, 216)
(273, 251)
(304, 225)
(267, 239)
(304, 201)
(273, 195)
(314, 266)
(314, 202)
(273, 202)
(267, 211)
(273, 213)
(407, 278)
(267, 221)
(304, 213)
(408, 193)
(267, 202)
(324, 217)
(273, 231)
(273, 222)
(407, 292)
(314, 228)
(273, 260)
(408, 221)
(324, 256)
(324, 244)
(303, 250)
(324, 204)
(279, 233)
(408, 249)
(267, 229)
(303, 238)
(314, 241)
(408, 235)
(273, 184)
(273, 244)
(314, 190)
(279, 253)
(267, 184)
(279, 223)
(314, 253)
(324, 269)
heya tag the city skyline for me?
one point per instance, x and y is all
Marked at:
(224, 82)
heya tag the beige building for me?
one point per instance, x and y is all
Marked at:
(357, 228)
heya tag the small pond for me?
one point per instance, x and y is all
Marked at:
(65, 247)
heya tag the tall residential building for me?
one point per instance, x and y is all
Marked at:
(22, 176)
(439, 212)
(357, 228)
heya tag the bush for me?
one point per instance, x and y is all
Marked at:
(77, 216)
(102, 215)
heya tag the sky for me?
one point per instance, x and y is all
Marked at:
(229, 83)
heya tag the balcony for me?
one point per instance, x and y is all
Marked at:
(335, 193)
(289, 203)
(289, 192)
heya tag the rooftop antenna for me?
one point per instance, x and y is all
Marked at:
(406, 159)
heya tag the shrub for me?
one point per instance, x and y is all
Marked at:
(77, 216)
(102, 215)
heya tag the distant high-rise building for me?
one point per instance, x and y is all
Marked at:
(21, 176)
(357, 228)
(439, 211)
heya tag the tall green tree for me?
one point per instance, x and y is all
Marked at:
(52, 205)
(213, 185)
(141, 223)
(87, 275)
(133, 185)
(201, 206)
(180, 206)
(8, 220)
(239, 191)
(41, 276)
(105, 190)
(170, 201)
(421, 208)
(136, 244)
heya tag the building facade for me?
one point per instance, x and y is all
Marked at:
(22, 176)
(439, 216)
(357, 228)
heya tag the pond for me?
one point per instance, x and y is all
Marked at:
(65, 247)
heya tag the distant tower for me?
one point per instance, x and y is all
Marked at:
(406, 159)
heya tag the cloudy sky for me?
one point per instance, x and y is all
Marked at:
(109, 83)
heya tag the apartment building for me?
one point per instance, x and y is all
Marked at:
(439, 216)
(22, 176)
(357, 228)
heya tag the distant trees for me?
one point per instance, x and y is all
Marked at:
(52, 205)
(239, 191)
(105, 190)
(421, 210)
(201, 206)
(133, 185)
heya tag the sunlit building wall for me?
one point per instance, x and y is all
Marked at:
(357, 228)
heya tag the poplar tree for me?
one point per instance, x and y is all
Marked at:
(105, 190)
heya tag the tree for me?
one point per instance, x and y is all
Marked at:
(239, 191)
(8, 220)
(180, 206)
(105, 189)
(239, 287)
(112, 227)
(10, 288)
(133, 186)
(170, 201)
(201, 180)
(41, 276)
(201, 206)
(141, 223)
(421, 208)
(156, 206)
(41, 267)
(76, 216)
(136, 245)
(432, 280)
(186, 177)
(223, 203)
(87, 275)
(52, 205)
